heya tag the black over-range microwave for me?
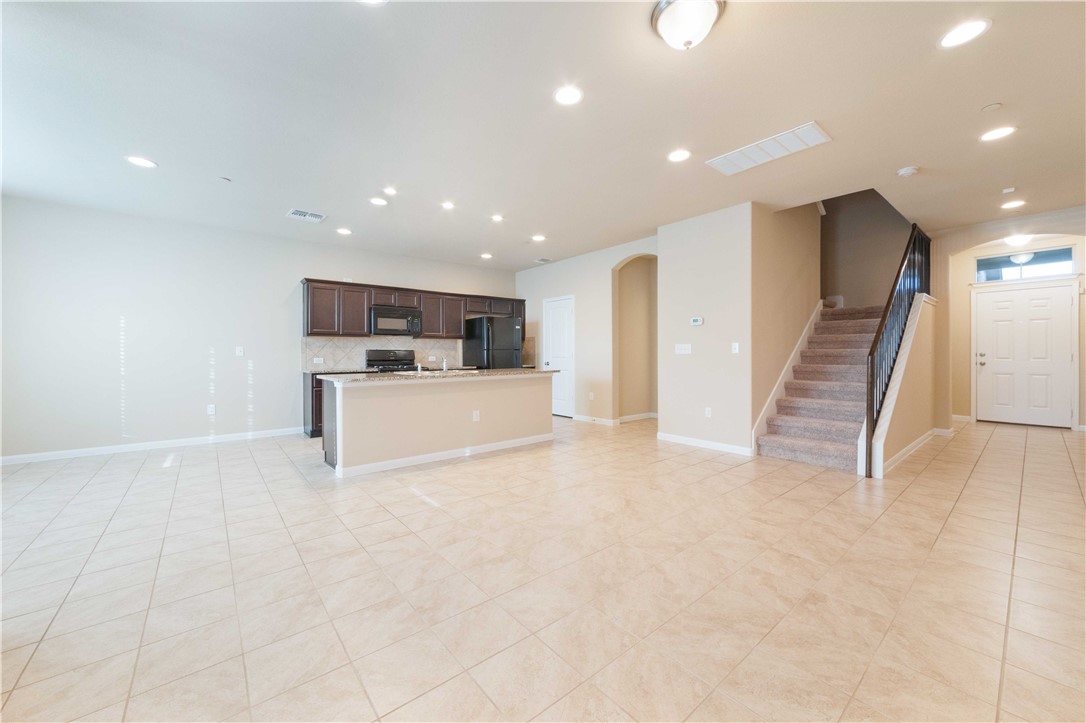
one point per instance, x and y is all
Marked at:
(393, 320)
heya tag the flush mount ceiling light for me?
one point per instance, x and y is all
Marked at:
(684, 23)
(568, 95)
(908, 171)
(485, 256)
(378, 201)
(1012, 204)
(343, 231)
(373, 3)
(1018, 240)
(497, 218)
(141, 162)
(996, 133)
(539, 237)
(678, 155)
(962, 34)
(389, 191)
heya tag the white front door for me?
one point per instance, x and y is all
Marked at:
(1023, 355)
(558, 352)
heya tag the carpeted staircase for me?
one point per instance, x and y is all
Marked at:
(819, 419)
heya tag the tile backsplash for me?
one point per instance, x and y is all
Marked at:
(342, 353)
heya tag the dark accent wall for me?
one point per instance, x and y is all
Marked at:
(863, 238)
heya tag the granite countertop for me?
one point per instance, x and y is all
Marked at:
(452, 375)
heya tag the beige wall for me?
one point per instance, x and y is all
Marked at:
(119, 329)
(914, 409)
(635, 336)
(947, 243)
(588, 279)
(704, 270)
(785, 253)
(962, 278)
(863, 238)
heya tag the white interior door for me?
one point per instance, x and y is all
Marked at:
(1023, 355)
(558, 352)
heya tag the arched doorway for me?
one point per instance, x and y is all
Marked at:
(633, 338)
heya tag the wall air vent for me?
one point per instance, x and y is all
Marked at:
(305, 215)
(764, 151)
(543, 260)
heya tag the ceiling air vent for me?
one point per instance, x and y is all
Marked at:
(305, 215)
(764, 151)
(543, 260)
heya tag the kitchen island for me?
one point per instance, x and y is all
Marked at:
(375, 422)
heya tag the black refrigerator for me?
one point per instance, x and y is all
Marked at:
(493, 342)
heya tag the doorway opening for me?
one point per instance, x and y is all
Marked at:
(633, 339)
(558, 353)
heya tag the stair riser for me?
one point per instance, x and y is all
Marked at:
(834, 373)
(834, 356)
(844, 395)
(854, 326)
(836, 342)
(816, 411)
(813, 431)
(851, 313)
(802, 456)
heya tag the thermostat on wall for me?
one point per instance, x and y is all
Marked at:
(697, 320)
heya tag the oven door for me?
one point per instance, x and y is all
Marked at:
(395, 322)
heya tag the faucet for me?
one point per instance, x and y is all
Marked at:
(419, 370)
(444, 364)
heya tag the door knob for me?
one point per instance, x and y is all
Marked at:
(982, 363)
(546, 364)
(982, 354)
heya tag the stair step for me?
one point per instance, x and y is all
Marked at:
(834, 356)
(840, 341)
(810, 451)
(843, 411)
(852, 312)
(847, 326)
(827, 430)
(830, 372)
(845, 391)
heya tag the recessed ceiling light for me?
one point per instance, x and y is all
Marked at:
(448, 205)
(568, 95)
(997, 133)
(539, 237)
(141, 162)
(1008, 189)
(965, 32)
(389, 191)
(678, 155)
(1018, 240)
(497, 218)
(1013, 204)
(485, 256)
(343, 231)
(378, 201)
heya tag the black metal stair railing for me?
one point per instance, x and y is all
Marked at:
(913, 277)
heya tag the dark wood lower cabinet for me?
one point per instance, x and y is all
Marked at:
(328, 440)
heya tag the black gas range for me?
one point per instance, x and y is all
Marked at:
(390, 360)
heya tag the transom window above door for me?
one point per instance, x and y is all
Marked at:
(1026, 265)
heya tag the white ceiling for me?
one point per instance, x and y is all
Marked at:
(318, 106)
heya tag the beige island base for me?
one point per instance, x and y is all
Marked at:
(375, 422)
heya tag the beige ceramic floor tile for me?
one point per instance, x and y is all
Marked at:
(718, 708)
(192, 612)
(215, 693)
(294, 660)
(334, 696)
(370, 629)
(83, 647)
(476, 634)
(526, 679)
(73, 694)
(1060, 663)
(394, 675)
(650, 686)
(459, 699)
(587, 640)
(281, 619)
(585, 703)
(173, 658)
(903, 693)
(777, 690)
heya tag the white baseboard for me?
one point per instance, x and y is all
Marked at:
(706, 444)
(637, 417)
(786, 375)
(439, 456)
(939, 432)
(142, 446)
(596, 420)
(962, 418)
(1079, 428)
(910, 448)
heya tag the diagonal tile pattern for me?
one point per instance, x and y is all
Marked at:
(604, 576)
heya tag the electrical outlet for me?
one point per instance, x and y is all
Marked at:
(708, 412)
(318, 360)
(735, 347)
(591, 396)
(475, 416)
(431, 358)
(239, 351)
(211, 409)
(683, 349)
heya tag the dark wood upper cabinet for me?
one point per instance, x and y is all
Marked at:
(433, 312)
(384, 297)
(408, 299)
(452, 316)
(477, 306)
(354, 311)
(321, 312)
(501, 307)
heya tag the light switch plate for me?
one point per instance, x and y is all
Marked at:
(683, 349)
(239, 351)
(211, 409)
(735, 347)
(318, 360)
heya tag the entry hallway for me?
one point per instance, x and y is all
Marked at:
(605, 576)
